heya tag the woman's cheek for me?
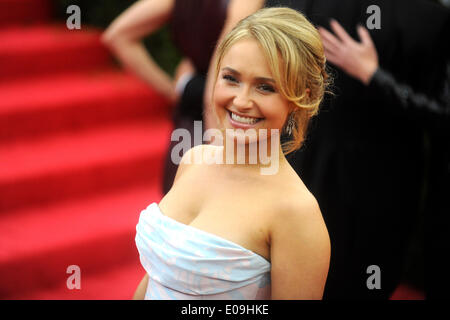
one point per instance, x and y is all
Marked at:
(221, 96)
(221, 89)
(274, 112)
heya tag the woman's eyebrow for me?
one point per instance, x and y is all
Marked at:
(265, 79)
(238, 73)
(231, 70)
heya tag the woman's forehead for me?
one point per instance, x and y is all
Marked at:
(247, 56)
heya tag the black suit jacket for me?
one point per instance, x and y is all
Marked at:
(364, 158)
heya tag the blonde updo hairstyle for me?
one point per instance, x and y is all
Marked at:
(293, 48)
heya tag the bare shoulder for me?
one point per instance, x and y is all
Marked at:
(298, 201)
(210, 149)
(197, 156)
(185, 162)
(298, 212)
(299, 204)
(300, 247)
(200, 154)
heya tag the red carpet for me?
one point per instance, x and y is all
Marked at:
(19, 12)
(81, 151)
(81, 154)
(47, 49)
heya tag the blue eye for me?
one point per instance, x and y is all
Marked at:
(229, 78)
(266, 87)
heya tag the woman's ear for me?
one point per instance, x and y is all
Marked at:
(292, 107)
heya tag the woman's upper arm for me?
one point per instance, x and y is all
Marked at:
(300, 253)
(238, 10)
(139, 20)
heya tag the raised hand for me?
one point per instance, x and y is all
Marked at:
(358, 59)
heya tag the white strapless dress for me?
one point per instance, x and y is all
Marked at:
(185, 263)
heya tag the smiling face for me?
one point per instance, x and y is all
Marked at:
(245, 94)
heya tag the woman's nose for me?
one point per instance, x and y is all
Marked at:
(242, 100)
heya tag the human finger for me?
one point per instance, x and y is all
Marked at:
(332, 57)
(364, 35)
(340, 32)
(328, 39)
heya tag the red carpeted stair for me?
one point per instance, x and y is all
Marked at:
(19, 12)
(47, 49)
(82, 146)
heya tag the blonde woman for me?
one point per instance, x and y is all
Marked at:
(224, 230)
(187, 20)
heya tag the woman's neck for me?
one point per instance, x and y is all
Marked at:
(264, 154)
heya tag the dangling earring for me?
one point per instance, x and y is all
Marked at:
(290, 124)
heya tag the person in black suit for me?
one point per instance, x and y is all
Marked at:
(359, 59)
(366, 160)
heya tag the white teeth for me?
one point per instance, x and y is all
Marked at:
(245, 120)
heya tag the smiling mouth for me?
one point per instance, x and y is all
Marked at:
(244, 120)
